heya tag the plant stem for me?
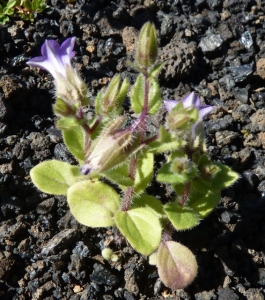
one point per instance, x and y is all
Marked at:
(128, 195)
(141, 122)
(167, 234)
(185, 195)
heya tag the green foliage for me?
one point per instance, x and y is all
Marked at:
(177, 266)
(204, 204)
(141, 228)
(118, 149)
(149, 202)
(110, 102)
(144, 172)
(138, 95)
(76, 134)
(181, 217)
(165, 142)
(55, 177)
(93, 203)
(25, 8)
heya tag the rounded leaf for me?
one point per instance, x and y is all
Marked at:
(149, 202)
(141, 228)
(54, 177)
(181, 217)
(93, 203)
(206, 204)
(176, 264)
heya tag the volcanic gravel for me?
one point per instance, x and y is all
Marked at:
(215, 48)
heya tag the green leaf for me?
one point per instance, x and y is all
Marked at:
(120, 176)
(74, 139)
(144, 172)
(225, 178)
(35, 5)
(54, 177)
(149, 202)
(181, 217)
(69, 122)
(205, 204)
(108, 101)
(137, 95)
(93, 203)
(176, 265)
(98, 100)
(27, 5)
(155, 70)
(11, 3)
(165, 142)
(8, 11)
(122, 94)
(222, 179)
(154, 99)
(3, 19)
(141, 228)
(165, 175)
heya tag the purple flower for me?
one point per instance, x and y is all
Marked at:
(54, 57)
(191, 100)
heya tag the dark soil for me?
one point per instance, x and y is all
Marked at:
(215, 48)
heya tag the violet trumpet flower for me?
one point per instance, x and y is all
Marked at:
(56, 59)
(191, 100)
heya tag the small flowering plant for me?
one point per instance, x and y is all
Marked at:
(118, 149)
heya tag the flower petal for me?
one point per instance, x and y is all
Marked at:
(55, 57)
(191, 100)
(169, 104)
(204, 110)
(66, 52)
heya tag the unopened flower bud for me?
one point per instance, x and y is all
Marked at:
(180, 118)
(147, 50)
(113, 146)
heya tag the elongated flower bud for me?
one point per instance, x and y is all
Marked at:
(147, 50)
(113, 146)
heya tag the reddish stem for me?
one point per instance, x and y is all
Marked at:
(140, 125)
(185, 195)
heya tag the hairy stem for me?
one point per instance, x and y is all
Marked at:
(167, 234)
(185, 195)
(139, 125)
(128, 195)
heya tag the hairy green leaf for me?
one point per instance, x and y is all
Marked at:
(154, 99)
(165, 142)
(181, 217)
(137, 95)
(54, 177)
(149, 202)
(176, 264)
(74, 139)
(93, 203)
(205, 204)
(144, 172)
(141, 228)
(120, 176)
